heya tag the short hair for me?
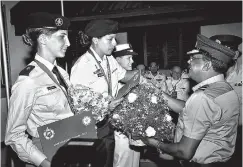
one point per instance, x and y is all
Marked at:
(218, 65)
(32, 34)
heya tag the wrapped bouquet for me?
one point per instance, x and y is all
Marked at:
(144, 113)
(83, 99)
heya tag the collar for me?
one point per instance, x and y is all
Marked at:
(97, 56)
(152, 73)
(45, 62)
(211, 80)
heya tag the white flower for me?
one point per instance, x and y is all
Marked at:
(132, 97)
(150, 131)
(168, 117)
(116, 116)
(86, 120)
(154, 99)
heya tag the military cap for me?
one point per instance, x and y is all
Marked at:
(99, 28)
(47, 20)
(215, 49)
(230, 41)
(123, 49)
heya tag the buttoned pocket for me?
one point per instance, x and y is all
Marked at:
(49, 98)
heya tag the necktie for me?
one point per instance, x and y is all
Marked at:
(59, 77)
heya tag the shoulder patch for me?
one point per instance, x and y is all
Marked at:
(26, 71)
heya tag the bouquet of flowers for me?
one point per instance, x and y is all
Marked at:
(144, 113)
(83, 99)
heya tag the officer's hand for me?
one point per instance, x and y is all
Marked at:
(114, 103)
(150, 141)
(45, 163)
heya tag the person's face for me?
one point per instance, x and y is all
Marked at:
(153, 67)
(176, 73)
(125, 61)
(141, 68)
(106, 44)
(57, 43)
(196, 64)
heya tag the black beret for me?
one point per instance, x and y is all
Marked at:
(123, 49)
(47, 20)
(230, 41)
(215, 49)
(100, 28)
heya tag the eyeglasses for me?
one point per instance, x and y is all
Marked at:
(194, 58)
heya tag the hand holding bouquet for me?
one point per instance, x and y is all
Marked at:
(144, 113)
(83, 99)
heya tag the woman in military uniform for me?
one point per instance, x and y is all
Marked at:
(39, 94)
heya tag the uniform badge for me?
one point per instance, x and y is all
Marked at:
(135, 77)
(59, 22)
(86, 120)
(49, 133)
(26, 71)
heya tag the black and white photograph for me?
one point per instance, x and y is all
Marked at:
(121, 83)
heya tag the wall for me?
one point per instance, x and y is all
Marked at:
(18, 53)
(230, 29)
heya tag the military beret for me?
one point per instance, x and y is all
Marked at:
(47, 20)
(123, 49)
(230, 41)
(215, 49)
(99, 28)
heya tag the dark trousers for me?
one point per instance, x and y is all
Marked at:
(106, 145)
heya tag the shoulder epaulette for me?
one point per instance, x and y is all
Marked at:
(204, 87)
(26, 71)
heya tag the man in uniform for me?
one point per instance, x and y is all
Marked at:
(207, 127)
(234, 77)
(178, 87)
(154, 76)
(99, 70)
(141, 67)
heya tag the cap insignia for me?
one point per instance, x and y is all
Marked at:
(218, 41)
(59, 22)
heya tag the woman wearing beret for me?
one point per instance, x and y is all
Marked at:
(99, 70)
(39, 94)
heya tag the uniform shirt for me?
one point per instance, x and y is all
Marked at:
(235, 80)
(84, 72)
(212, 117)
(35, 101)
(181, 86)
(158, 80)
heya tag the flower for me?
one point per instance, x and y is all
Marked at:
(131, 97)
(83, 99)
(150, 131)
(154, 99)
(115, 116)
(144, 112)
(86, 120)
(168, 118)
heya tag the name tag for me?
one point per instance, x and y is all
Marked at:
(51, 87)
(100, 74)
